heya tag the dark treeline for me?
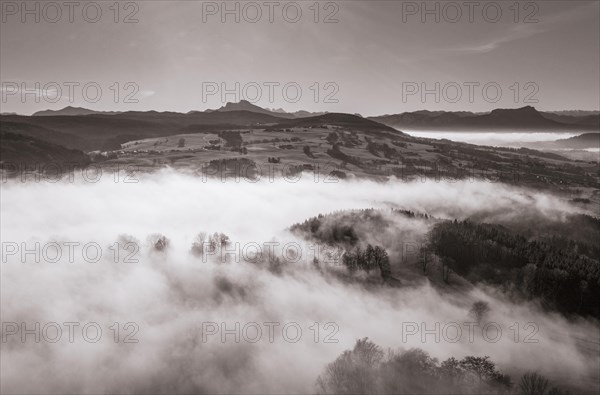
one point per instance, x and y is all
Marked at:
(336, 153)
(563, 273)
(371, 258)
(232, 139)
(411, 214)
(349, 230)
(367, 369)
(382, 149)
(342, 227)
(338, 232)
(557, 263)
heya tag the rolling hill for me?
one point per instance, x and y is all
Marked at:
(18, 151)
(347, 145)
(95, 131)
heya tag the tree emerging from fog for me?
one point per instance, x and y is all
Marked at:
(366, 369)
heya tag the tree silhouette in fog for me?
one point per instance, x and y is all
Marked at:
(366, 369)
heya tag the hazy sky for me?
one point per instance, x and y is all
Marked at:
(375, 59)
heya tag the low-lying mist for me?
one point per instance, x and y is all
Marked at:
(499, 139)
(292, 322)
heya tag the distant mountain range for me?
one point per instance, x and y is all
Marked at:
(71, 111)
(520, 119)
(245, 105)
(574, 113)
(88, 130)
(360, 146)
(587, 140)
(583, 141)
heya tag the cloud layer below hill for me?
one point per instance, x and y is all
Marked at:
(170, 297)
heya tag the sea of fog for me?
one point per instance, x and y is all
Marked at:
(172, 308)
(499, 139)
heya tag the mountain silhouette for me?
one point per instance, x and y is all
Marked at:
(524, 118)
(69, 111)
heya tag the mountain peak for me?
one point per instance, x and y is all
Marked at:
(242, 105)
(72, 111)
(69, 110)
(245, 105)
(527, 110)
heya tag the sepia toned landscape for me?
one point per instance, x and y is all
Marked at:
(423, 217)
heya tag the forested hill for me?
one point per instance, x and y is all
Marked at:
(563, 273)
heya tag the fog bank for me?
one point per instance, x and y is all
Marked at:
(170, 296)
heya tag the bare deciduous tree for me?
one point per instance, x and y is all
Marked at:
(479, 310)
(533, 383)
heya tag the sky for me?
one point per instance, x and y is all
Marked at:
(367, 57)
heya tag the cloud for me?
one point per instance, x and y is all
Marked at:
(537, 24)
(518, 32)
(169, 295)
(147, 93)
